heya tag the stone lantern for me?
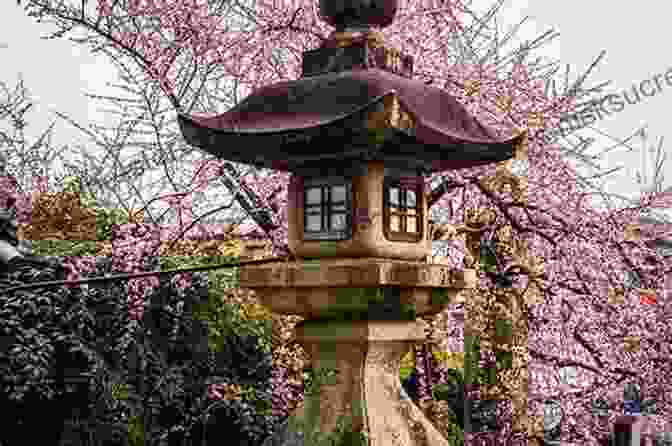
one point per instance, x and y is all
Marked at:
(358, 136)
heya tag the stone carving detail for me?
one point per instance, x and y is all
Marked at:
(404, 273)
(446, 276)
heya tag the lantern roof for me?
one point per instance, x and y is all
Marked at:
(356, 101)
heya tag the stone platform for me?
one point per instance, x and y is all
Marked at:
(312, 288)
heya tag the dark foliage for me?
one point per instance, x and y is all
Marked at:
(237, 422)
(481, 415)
(55, 360)
(242, 362)
(180, 351)
(180, 343)
(453, 394)
(63, 350)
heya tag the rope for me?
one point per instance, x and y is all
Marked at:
(55, 283)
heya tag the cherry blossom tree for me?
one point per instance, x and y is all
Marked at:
(586, 251)
(102, 31)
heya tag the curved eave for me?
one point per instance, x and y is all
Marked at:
(286, 151)
(460, 155)
(289, 123)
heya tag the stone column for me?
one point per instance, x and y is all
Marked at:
(365, 389)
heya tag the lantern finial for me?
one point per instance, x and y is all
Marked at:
(358, 15)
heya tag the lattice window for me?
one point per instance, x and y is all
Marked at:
(327, 209)
(403, 210)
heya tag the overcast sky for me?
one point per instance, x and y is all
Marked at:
(58, 72)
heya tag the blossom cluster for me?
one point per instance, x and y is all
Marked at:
(584, 250)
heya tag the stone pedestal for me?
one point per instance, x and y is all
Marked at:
(360, 321)
(314, 288)
(364, 390)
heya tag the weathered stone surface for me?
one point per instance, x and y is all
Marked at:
(368, 238)
(366, 388)
(310, 289)
(355, 272)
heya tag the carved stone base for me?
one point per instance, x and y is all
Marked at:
(365, 390)
(312, 288)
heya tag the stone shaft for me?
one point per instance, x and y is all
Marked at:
(365, 356)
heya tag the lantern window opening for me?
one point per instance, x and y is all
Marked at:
(402, 210)
(327, 209)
